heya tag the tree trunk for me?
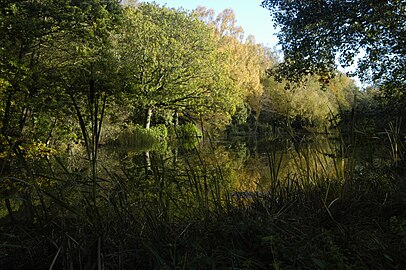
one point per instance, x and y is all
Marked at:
(148, 117)
(148, 167)
(176, 119)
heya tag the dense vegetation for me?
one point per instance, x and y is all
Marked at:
(80, 78)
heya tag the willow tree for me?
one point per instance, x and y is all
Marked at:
(306, 105)
(169, 62)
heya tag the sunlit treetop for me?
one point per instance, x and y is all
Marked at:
(314, 33)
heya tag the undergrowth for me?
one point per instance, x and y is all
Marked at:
(182, 217)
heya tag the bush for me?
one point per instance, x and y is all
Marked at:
(188, 130)
(137, 136)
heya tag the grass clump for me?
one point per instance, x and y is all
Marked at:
(137, 136)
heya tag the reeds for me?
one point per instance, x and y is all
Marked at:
(182, 215)
(395, 139)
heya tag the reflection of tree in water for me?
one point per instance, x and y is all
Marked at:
(185, 169)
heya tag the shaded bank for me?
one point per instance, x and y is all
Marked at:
(315, 211)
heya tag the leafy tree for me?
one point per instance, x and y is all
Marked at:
(169, 62)
(243, 59)
(306, 105)
(52, 54)
(314, 33)
(34, 48)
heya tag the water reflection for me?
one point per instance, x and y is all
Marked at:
(240, 166)
(198, 168)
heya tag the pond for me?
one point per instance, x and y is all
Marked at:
(213, 171)
(160, 202)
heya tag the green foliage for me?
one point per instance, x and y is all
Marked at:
(188, 131)
(36, 150)
(309, 105)
(69, 68)
(169, 62)
(313, 33)
(50, 51)
(137, 136)
(242, 60)
(306, 220)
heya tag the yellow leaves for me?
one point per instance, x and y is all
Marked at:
(242, 59)
(308, 102)
(45, 182)
(35, 150)
(30, 150)
(4, 84)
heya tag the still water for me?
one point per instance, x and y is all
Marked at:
(239, 166)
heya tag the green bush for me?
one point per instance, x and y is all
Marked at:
(137, 136)
(188, 130)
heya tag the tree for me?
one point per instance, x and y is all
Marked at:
(306, 105)
(34, 48)
(51, 51)
(314, 33)
(243, 60)
(169, 62)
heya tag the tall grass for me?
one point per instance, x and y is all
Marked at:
(182, 215)
(139, 137)
(395, 139)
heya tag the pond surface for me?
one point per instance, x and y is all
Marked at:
(236, 167)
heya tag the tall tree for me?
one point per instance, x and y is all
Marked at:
(51, 50)
(169, 61)
(243, 59)
(33, 36)
(306, 105)
(314, 33)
